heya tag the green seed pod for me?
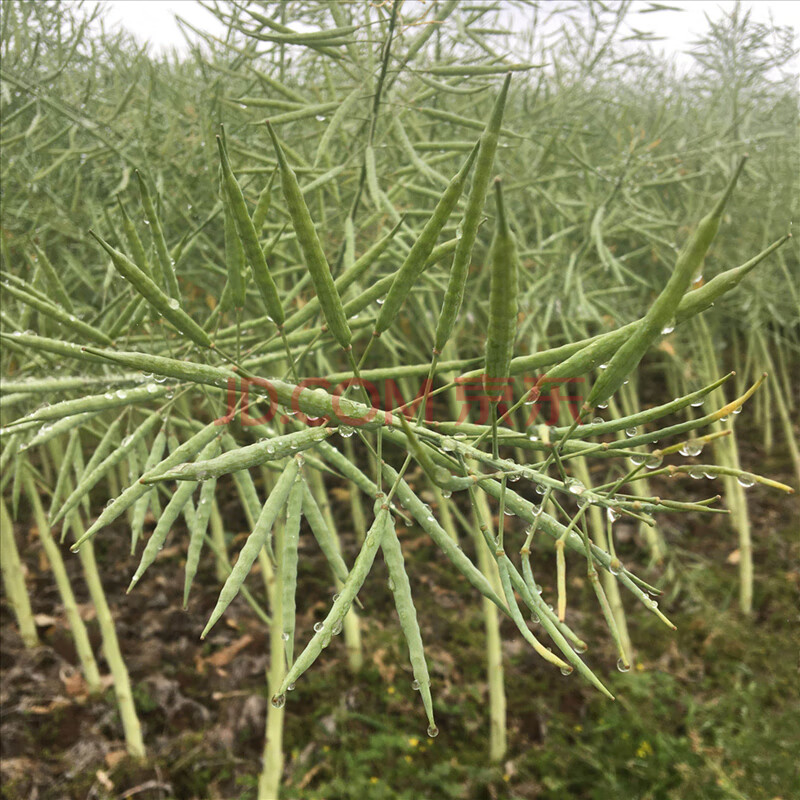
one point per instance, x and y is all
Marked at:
(58, 314)
(329, 300)
(181, 496)
(343, 282)
(255, 541)
(134, 242)
(169, 308)
(234, 260)
(324, 536)
(404, 603)
(422, 514)
(287, 568)
(503, 291)
(249, 238)
(169, 280)
(188, 449)
(324, 630)
(197, 533)
(95, 474)
(262, 205)
(252, 455)
(415, 262)
(140, 506)
(341, 114)
(454, 295)
(53, 279)
(666, 304)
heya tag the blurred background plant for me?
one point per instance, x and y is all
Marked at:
(609, 157)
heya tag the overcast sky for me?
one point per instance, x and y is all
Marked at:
(154, 20)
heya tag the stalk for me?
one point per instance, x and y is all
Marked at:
(14, 580)
(83, 647)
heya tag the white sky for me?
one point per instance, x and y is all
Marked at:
(154, 20)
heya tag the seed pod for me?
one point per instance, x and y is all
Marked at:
(197, 534)
(329, 300)
(134, 242)
(416, 260)
(422, 514)
(341, 114)
(666, 304)
(58, 314)
(63, 474)
(287, 569)
(95, 474)
(324, 536)
(141, 505)
(465, 70)
(404, 603)
(249, 237)
(503, 291)
(180, 497)
(169, 308)
(340, 607)
(53, 279)
(234, 260)
(262, 205)
(344, 281)
(255, 541)
(454, 295)
(47, 432)
(252, 455)
(99, 402)
(168, 278)
(188, 449)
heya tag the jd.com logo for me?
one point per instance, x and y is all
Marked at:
(473, 399)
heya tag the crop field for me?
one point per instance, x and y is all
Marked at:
(398, 400)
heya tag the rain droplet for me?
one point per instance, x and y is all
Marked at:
(279, 701)
(667, 329)
(622, 666)
(345, 431)
(746, 480)
(318, 627)
(433, 731)
(614, 566)
(637, 459)
(566, 670)
(415, 685)
(574, 486)
(653, 462)
(696, 473)
(285, 636)
(630, 432)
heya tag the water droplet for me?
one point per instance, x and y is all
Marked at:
(612, 515)
(746, 480)
(737, 410)
(390, 584)
(318, 627)
(653, 462)
(285, 636)
(630, 432)
(279, 701)
(566, 670)
(290, 687)
(345, 431)
(696, 473)
(320, 118)
(433, 731)
(637, 459)
(380, 301)
(337, 629)
(597, 420)
(667, 329)
(447, 494)
(540, 489)
(536, 510)
(602, 405)
(574, 486)
(580, 648)
(622, 666)
(614, 566)
(174, 304)
(121, 394)
(151, 388)
(603, 366)
(415, 685)
(697, 403)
